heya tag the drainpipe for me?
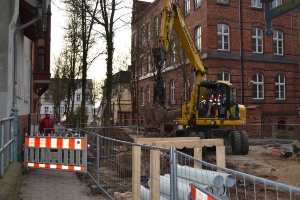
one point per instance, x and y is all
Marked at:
(15, 86)
(241, 52)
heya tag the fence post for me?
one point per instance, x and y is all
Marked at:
(1, 153)
(173, 175)
(15, 134)
(136, 172)
(273, 132)
(155, 172)
(98, 155)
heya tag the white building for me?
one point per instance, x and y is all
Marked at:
(47, 106)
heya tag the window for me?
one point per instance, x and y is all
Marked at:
(148, 94)
(277, 42)
(173, 53)
(187, 7)
(256, 4)
(258, 86)
(78, 97)
(276, 3)
(223, 37)
(198, 38)
(149, 63)
(142, 96)
(156, 26)
(257, 40)
(280, 87)
(41, 58)
(148, 32)
(134, 40)
(46, 109)
(142, 66)
(144, 38)
(197, 3)
(172, 91)
(62, 109)
(224, 76)
(223, 1)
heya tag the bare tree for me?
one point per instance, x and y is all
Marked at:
(94, 92)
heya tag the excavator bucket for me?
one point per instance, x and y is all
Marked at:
(158, 114)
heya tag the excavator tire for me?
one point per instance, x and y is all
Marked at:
(245, 143)
(236, 142)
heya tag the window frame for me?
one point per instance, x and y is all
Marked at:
(172, 91)
(148, 94)
(258, 87)
(198, 38)
(257, 38)
(280, 85)
(41, 58)
(148, 32)
(223, 36)
(222, 75)
(198, 3)
(256, 3)
(78, 96)
(149, 63)
(225, 2)
(277, 41)
(276, 3)
(142, 96)
(187, 7)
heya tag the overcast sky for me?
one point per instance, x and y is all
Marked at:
(98, 70)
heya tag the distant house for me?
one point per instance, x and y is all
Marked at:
(64, 107)
(121, 98)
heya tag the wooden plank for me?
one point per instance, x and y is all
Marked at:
(198, 155)
(136, 172)
(220, 156)
(154, 174)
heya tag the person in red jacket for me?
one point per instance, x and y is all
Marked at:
(46, 124)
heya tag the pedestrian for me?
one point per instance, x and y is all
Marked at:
(46, 124)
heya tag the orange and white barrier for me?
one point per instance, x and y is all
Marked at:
(54, 166)
(60, 143)
(59, 153)
(197, 194)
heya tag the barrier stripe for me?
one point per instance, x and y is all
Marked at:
(62, 143)
(54, 166)
(199, 195)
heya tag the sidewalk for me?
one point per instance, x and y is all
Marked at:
(43, 184)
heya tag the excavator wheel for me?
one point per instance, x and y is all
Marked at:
(236, 142)
(244, 143)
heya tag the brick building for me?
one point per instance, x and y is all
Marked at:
(231, 39)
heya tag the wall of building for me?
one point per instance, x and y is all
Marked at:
(240, 61)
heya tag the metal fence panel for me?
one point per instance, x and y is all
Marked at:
(6, 143)
(68, 152)
(122, 168)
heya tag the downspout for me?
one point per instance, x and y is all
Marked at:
(15, 86)
(241, 52)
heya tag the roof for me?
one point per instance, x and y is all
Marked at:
(122, 77)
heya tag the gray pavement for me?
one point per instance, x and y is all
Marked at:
(42, 184)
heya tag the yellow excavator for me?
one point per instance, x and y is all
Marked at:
(212, 109)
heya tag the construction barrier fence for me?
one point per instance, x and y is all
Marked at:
(6, 143)
(63, 150)
(155, 170)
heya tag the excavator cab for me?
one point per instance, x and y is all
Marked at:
(217, 99)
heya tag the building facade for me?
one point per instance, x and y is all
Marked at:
(25, 58)
(230, 36)
(65, 106)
